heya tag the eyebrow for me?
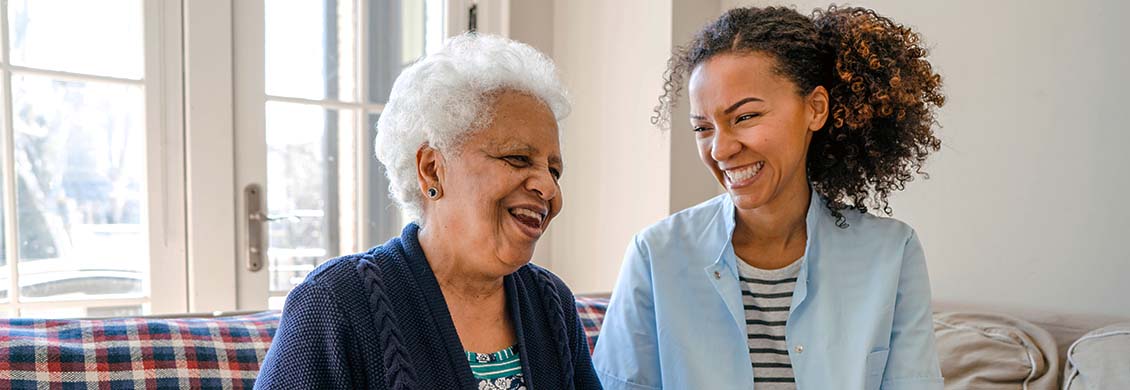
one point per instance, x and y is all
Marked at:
(735, 106)
(732, 108)
(515, 147)
(509, 146)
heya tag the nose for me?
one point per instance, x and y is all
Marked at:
(543, 184)
(724, 145)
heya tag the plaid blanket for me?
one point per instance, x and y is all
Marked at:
(134, 353)
(148, 353)
(591, 312)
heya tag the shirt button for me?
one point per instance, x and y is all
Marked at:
(717, 275)
(799, 348)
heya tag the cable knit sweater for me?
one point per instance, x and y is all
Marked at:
(378, 320)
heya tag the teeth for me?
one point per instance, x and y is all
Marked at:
(527, 213)
(740, 175)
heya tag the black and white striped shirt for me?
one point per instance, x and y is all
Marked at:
(766, 295)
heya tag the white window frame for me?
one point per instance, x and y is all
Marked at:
(249, 132)
(194, 88)
(209, 155)
(165, 214)
(253, 286)
(251, 166)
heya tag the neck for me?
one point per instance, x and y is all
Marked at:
(458, 278)
(779, 222)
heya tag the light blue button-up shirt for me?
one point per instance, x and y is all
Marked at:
(860, 315)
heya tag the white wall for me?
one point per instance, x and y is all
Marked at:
(1025, 206)
(611, 55)
(531, 22)
(1021, 210)
(622, 173)
(691, 181)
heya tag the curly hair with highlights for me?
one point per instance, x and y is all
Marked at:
(883, 93)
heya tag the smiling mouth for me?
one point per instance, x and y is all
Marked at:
(741, 176)
(529, 218)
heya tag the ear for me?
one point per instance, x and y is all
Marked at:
(817, 104)
(429, 169)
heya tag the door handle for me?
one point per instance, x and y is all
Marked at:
(253, 199)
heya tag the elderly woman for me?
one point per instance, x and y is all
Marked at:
(470, 141)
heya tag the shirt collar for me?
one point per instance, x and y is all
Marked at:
(726, 260)
(727, 223)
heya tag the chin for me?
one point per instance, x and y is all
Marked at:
(517, 258)
(747, 201)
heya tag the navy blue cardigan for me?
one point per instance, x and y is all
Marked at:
(378, 320)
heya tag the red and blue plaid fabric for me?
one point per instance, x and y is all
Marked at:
(135, 353)
(149, 353)
(591, 312)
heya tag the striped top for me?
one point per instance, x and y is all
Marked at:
(501, 370)
(767, 295)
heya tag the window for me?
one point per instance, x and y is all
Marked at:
(129, 127)
(327, 69)
(82, 169)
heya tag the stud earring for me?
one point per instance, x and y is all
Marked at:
(433, 192)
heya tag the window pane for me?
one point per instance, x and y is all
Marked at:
(114, 311)
(83, 312)
(302, 182)
(400, 34)
(381, 225)
(311, 49)
(3, 237)
(80, 164)
(81, 36)
(276, 303)
(3, 243)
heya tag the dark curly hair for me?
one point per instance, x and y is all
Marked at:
(883, 93)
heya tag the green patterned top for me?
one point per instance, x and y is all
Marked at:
(501, 370)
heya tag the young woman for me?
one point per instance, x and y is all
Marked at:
(785, 281)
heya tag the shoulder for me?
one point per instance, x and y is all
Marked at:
(868, 227)
(690, 220)
(317, 334)
(336, 275)
(346, 278)
(688, 232)
(336, 270)
(344, 267)
(879, 245)
(324, 303)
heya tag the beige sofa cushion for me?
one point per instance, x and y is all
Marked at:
(1099, 360)
(992, 351)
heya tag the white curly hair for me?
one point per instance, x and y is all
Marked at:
(443, 97)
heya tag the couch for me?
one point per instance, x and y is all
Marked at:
(135, 353)
(984, 351)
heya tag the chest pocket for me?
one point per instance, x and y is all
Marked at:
(876, 363)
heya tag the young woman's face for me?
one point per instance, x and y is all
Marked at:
(500, 190)
(752, 127)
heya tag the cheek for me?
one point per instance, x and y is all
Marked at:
(785, 149)
(556, 205)
(479, 187)
(496, 184)
(779, 138)
(797, 141)
(704, 148)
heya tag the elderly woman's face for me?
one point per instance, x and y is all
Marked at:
(500, 190)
